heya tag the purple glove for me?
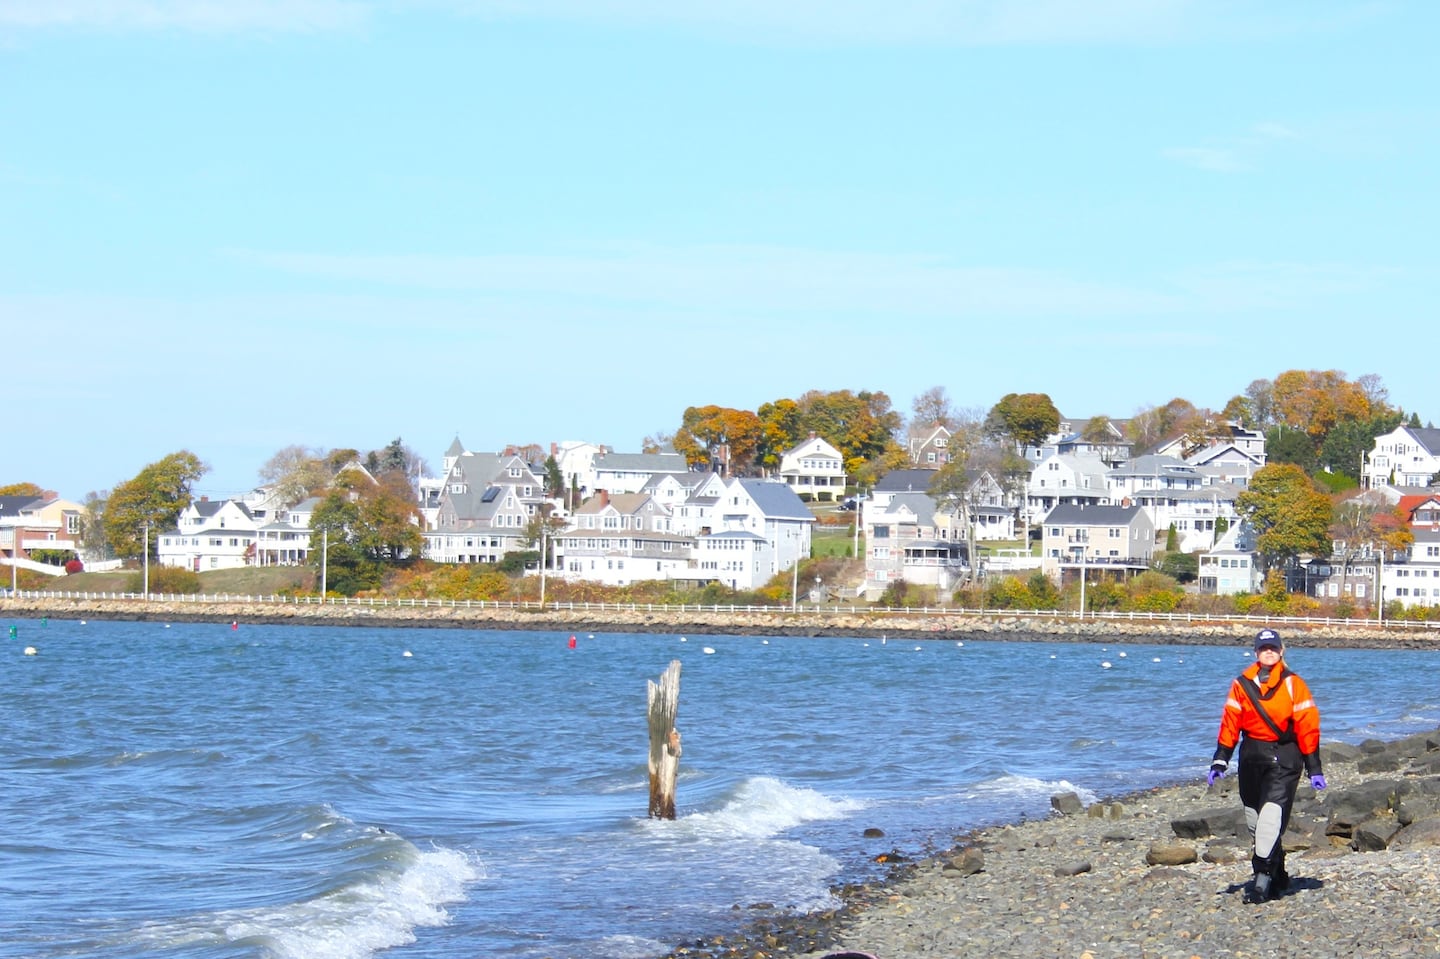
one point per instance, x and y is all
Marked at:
(1217, 771)
(1317, 781)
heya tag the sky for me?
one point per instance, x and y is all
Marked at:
(233, 226)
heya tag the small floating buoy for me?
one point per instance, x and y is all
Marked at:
(407, 654)
(29, 650)
(709, 651)
(1052, 655)
(82, 622)
(959, 643)
(1155, 660)
(1122, 655)
(234, 624)
(917, 649)
(572, 642)
(167, 625)
(1105, 665)
(764, 642)
(684, 640)
(589, 635)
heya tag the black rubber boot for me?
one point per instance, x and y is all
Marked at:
(1259, 889)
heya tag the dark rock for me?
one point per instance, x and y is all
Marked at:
(1373, 835)
(1424, 832)
(1333, 753)
(1385, 762)
(1355, 804)
(1226, 851)
(1067, 804)
(1113, 837)
(1229, 821)
(1415, 808)
(874, 833)
(967, 862)
(1371, 746)
(1072, 868)
(1171, 854)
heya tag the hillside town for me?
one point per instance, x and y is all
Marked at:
(1083, 506)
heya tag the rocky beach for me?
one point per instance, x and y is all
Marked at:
(1157, 874)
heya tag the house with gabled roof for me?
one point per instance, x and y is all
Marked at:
(1117, 539)
(629, 472)
(1421, 510)
(1078, 479)
(910, 539)
(929, 445)
(209, 534)
(814, 469)
(44, 522)
(1405, 456)
(485, 506)
(1230, 566)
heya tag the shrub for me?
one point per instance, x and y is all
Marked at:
(74, 566)
(165, 579)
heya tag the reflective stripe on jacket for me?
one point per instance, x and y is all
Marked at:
(1284, 696)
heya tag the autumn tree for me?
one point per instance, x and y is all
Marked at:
(715, 436)
(361, 527)
(1026, 419)
(154, 498)
(22, 489)
(781, 431)
(862, 426)
(657, 442)
(1289, 515)
(933, 408)
(295, 472)
(1150, 427)
(1314, 401)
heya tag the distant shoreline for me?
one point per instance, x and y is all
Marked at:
(933, 625)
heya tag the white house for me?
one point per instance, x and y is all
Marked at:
(285, 540)
(1072, 479)
(1229, 567)
(814, 468)
(209, 534)
(629, 472)
(1406, 456)
(929, 446)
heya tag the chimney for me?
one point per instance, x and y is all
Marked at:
(604, 498)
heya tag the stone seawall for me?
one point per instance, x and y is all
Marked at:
(934, 625)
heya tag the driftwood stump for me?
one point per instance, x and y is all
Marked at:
(664, 742)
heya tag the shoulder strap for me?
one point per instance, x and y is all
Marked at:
(1253, 692)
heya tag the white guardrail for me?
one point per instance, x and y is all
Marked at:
(779, 609)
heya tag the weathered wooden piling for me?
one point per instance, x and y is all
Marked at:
(664, 702)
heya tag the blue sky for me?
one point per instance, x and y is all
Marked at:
(230, 226)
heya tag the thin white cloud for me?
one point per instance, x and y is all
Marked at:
(206, 16)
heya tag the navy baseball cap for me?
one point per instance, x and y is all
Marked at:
(1268, 637)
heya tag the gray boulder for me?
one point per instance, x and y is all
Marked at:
(1424, 832)
(1229, 821)
(1373, 835)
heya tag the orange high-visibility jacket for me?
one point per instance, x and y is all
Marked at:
(1284, 696)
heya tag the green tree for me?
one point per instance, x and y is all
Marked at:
(369, 525)
(1284, 444)
(1348, 441)
(1026, 418)
(153, 498)
(1289, 515)
(781, 431)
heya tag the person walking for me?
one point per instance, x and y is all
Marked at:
(1273, 717)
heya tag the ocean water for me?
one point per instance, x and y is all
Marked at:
(194, 790)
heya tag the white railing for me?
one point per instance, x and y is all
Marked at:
(829, 609)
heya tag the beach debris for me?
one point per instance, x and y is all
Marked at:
(664, 703)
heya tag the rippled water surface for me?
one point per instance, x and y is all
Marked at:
(200, 791)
